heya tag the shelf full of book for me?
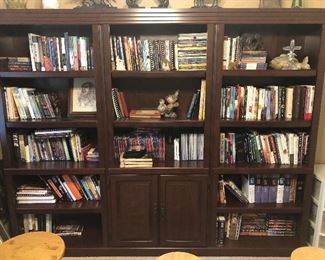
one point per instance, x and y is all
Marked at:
(235, 119)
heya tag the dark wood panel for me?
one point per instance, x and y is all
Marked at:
(53, 168)
(129, 123)
(152, 16)
(61, 207)
(183, 210)
(263, 169)
(158, 74)
(47, 74)
(264, 124)
(269, 73)
(134, 210)
(54, 123)
(260, 208)
(175, 167)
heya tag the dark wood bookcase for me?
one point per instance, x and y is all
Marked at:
(172, 206)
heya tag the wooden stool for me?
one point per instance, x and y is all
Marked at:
(33, 246)
(178, 256)
(308, 253)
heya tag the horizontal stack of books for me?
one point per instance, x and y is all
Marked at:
(252, 60)
(15, 64)
(33, 194)
(136, 159)
(69, 230)
(191, 51)
(145, 114)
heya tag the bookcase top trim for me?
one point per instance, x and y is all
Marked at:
(150, 16)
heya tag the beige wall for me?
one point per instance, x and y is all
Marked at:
(320, 152)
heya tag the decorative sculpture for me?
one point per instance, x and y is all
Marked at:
(166, 109)
(133, 4)
(163, 3)
(202, 4)
(96, 4)
(289, 61)
(270, 4)
(297, 4)
(251, 42)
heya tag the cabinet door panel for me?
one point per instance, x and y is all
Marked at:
(183, 210)
(134, 210)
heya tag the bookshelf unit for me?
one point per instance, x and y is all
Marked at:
(172, 206)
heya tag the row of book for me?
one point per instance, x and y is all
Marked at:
(190, 146)
(267, 103)
(119, 104)
(262, 189)
(144, 53)
(282, 148)
(61, 53)
(27, 103)
(235, 225)
(64, 187)
(73, 187)
(45, 222)
(236, 57)
(197, 104)
(53, 145)
(151, 140)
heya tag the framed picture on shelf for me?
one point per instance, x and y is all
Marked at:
(82, 97)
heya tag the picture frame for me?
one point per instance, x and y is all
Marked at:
(82, 97)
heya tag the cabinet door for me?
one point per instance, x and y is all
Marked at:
(133, 210)
(183, 210)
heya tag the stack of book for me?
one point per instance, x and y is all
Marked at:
(33, 194)
(145, 114)
(69, 230)
(19, 64)
(252, 60)
(191, 51)
(136, 159)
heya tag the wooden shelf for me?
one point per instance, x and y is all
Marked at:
(54, 123)
(288, 208)
(125, 123)
(264, 124)
(91, 238)
(61, 207)
(54, 168)
(269, 73)
(260, 246)
(47, 74)
(174, 167)
(159, 74)
(263, 169)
